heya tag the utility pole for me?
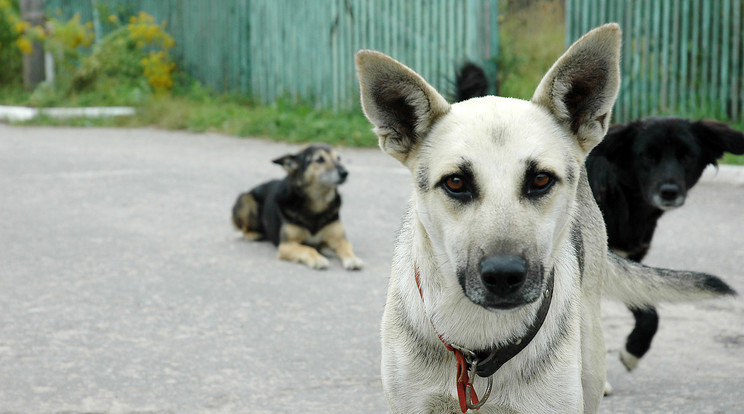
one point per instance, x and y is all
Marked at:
(32, 11)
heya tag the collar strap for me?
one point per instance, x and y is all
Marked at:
(487, 362)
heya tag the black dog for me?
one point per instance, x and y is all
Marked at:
(301, 212)
(639, 171)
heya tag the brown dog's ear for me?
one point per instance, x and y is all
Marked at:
(398, 102)
(717, 138)
(290, 162)
(581, 87)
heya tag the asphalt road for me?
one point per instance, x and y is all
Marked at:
(125, 289)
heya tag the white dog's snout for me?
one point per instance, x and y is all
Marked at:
(503, 275)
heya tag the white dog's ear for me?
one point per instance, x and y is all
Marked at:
(398, 102)
(581, 87)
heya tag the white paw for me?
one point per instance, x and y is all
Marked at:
(607, 389)
(319, 263)
(353, 263)
(629, 360)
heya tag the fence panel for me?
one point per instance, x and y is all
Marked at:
(305, 49)
(680, 57)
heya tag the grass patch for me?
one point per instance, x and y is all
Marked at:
(287, 121)
(198, 110)
(732, 159)
(14, 94)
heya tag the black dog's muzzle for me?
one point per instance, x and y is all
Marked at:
(668, 196)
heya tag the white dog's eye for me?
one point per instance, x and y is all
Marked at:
(541, 180)
(540, 183)
(459, 186)
(455, 184)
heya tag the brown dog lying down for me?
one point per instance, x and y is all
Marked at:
(300, 213)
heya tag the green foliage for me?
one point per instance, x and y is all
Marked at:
(531, 39)
(285, 120)
(10, 54)
(13, 93)
(192, 107)
(732, 159)
(124, 68)
(67, 42)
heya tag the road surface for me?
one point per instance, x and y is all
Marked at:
(125, 289)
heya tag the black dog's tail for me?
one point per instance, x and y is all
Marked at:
(470, 82)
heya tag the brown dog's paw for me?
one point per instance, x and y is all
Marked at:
(353, 263)
(252, 235)
(318, 263)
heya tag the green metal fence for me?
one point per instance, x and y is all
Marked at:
(682, 57)
(305, 48)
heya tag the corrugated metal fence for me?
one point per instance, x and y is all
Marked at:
(297, 48)
(682, 57)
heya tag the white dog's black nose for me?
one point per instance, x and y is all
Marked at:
(503, 275)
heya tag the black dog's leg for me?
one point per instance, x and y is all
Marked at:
(639, 340)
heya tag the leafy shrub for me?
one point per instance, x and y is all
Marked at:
(11, 27)
(123, 68)
(127, 65)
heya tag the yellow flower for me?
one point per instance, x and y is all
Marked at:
(25, 45)
(40, 33)
(20, 27)
(113, 19)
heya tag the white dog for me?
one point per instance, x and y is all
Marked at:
(502, 257)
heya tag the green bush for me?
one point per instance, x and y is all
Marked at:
(11, 59)
(125, 67)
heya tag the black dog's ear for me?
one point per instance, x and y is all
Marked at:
(717, 138)
(609, 163)
(290, 162)
(616, 144)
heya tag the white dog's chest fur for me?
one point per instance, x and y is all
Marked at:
(550, 366)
